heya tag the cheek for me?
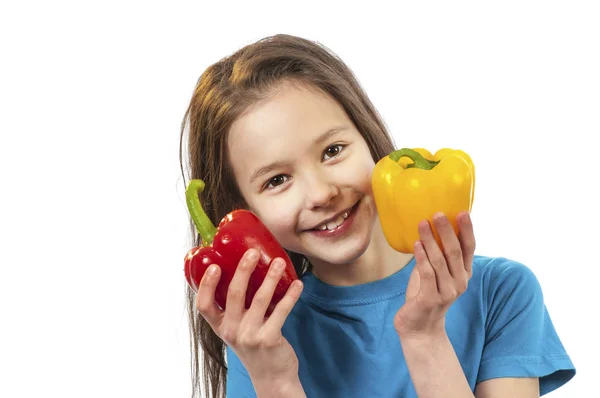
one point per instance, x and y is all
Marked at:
(359, 176)
(367, 172)
(279, 219)
(366, 179)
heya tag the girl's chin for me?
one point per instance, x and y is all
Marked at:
(341, 253)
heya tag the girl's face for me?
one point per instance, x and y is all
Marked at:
(305, 171)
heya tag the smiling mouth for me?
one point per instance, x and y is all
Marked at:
(335, 223)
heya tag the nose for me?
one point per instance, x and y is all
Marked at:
(320, 190)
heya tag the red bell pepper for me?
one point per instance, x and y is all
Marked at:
(238, 231)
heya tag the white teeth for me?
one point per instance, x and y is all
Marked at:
(333, 224)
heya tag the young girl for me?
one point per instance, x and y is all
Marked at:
(283, 128)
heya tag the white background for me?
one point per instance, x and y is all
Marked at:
(92, 218)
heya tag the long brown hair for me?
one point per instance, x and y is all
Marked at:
(224, 91)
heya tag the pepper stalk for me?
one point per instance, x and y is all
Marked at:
(204, 226)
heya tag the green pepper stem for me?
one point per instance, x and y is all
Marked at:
(205, 227)
(419, 161)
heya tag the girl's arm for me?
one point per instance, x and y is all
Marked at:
(268, 358)
(436, 372)
(440, 276)
(434, 367)
(240, 384)
(278, 389)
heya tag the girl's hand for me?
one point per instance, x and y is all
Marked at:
(257, 341)
(440, 276)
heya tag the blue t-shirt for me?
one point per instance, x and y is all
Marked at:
(347, 346)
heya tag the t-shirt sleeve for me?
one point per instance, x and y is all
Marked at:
(239, 384)
(521, 340)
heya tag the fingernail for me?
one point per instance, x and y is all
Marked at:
(298, 286)
(252, 255)
(278, 265)
(212, 270)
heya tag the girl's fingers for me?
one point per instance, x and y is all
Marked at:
(452, 251)
(264, 294)
(427, 280)
(274, 323)
(205, 298)
(236, 294)
(436, 259)
(466, 236)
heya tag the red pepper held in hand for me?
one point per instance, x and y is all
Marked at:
(238, 231)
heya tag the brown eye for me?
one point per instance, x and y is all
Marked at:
(276, 181)
(332, 151)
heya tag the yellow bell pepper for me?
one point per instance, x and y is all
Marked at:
(405, 161)
(411, 185)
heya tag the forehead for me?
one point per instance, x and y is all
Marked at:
(288, 121)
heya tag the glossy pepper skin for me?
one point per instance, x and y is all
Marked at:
(405, 161)
(411, 185)
(237, 232)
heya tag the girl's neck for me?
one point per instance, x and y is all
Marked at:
(377, 262)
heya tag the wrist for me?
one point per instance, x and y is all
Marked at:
(279, 387)
(429, 337)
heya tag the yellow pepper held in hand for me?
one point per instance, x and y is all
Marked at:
(411, 185)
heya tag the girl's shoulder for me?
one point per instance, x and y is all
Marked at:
(499, 278)
(498, 269)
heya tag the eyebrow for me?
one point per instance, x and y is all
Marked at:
(265, 170)
(275, 165)
(330, 133)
